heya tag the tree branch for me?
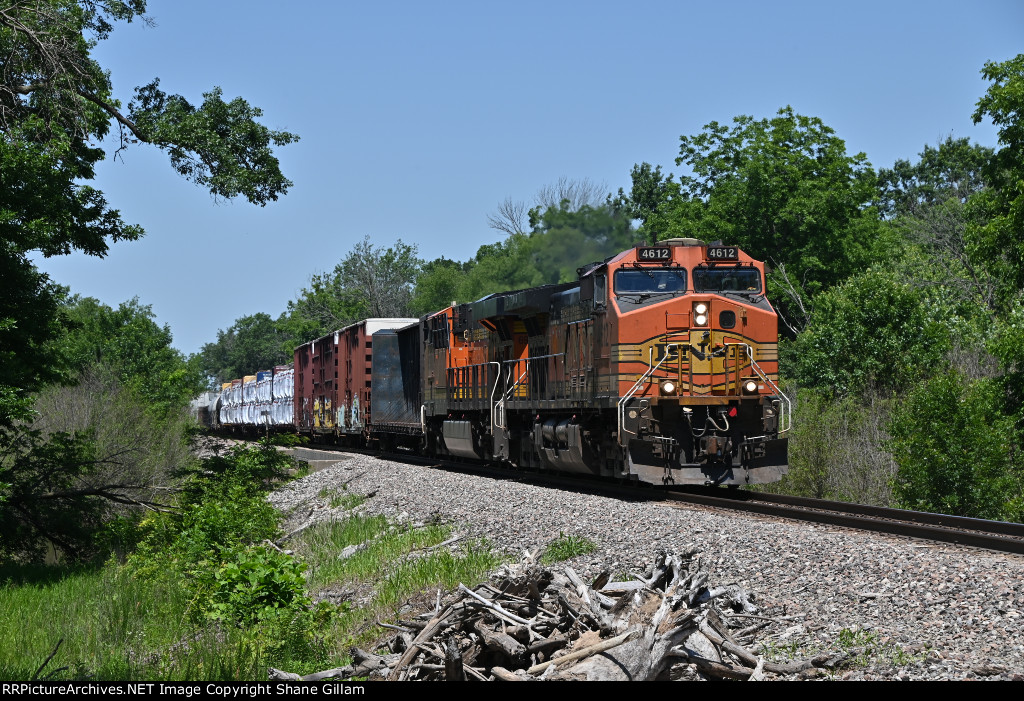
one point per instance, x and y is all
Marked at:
(109, 109)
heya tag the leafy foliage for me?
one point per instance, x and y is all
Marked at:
(996, 241)
(255, 584)
(218, 145)
(56, 104)
(957, 452)
(252, 342)
(371, 281)
(214, 539)
(782, 188)
(129, 341)
(30, 319)
(952, 170)
(870, 330)
(438, 285)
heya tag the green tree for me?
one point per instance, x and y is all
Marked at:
(998, 241)
(952, 170)
(994, 240)
(784, 189)
(371, 281)
(252, 343)
(30, 318)
(382, 277)
(872, 330)
(130, 343)
(438, 285)
(56, 104)
(957, 452)
(320, 308)
(928, 203)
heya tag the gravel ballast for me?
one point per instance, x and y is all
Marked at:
(902, 609)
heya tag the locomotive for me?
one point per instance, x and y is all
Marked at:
(658, 365)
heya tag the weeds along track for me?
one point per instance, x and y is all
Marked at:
(991, 535)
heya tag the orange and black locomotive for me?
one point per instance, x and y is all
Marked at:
(659, 365)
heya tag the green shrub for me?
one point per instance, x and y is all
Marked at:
(253, 583)
(871, 330)
(957, 452)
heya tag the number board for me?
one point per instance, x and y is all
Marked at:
(723, 253)
(659, 253)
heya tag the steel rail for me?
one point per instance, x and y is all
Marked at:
(973, 532)
(978, 533)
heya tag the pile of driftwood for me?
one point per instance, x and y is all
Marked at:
(531, 622)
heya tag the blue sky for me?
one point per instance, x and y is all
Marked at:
(417, 119)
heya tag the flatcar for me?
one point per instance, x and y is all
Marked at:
(658, 365)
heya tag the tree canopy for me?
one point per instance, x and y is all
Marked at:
(62, 468)
(370, 281)
(253, 342)
(785, 189)
(57, 105)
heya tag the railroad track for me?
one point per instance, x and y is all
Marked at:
(992, 535)
(974, 532)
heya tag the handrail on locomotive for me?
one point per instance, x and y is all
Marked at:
(649, 373)
(783, 401)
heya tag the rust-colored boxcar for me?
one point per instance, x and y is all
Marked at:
(332, 379)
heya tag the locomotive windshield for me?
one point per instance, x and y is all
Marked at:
(650, 281)
(726, 280)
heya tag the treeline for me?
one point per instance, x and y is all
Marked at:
(899, 291)
(569, 224)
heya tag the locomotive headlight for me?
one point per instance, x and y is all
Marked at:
(668, 387)
(750, 386)
(700, 313)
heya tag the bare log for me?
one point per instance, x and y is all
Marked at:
(502, 674)
(453, 671)
(602, 646)
(505, 644)
(428, 631)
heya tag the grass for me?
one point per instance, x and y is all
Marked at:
(112, 627)
(866, 647)
(396, 566)
(566, 547)
(116, 627)
(343, 500)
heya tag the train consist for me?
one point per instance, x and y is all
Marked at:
(658, 365)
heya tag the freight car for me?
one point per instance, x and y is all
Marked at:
(658, 365)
